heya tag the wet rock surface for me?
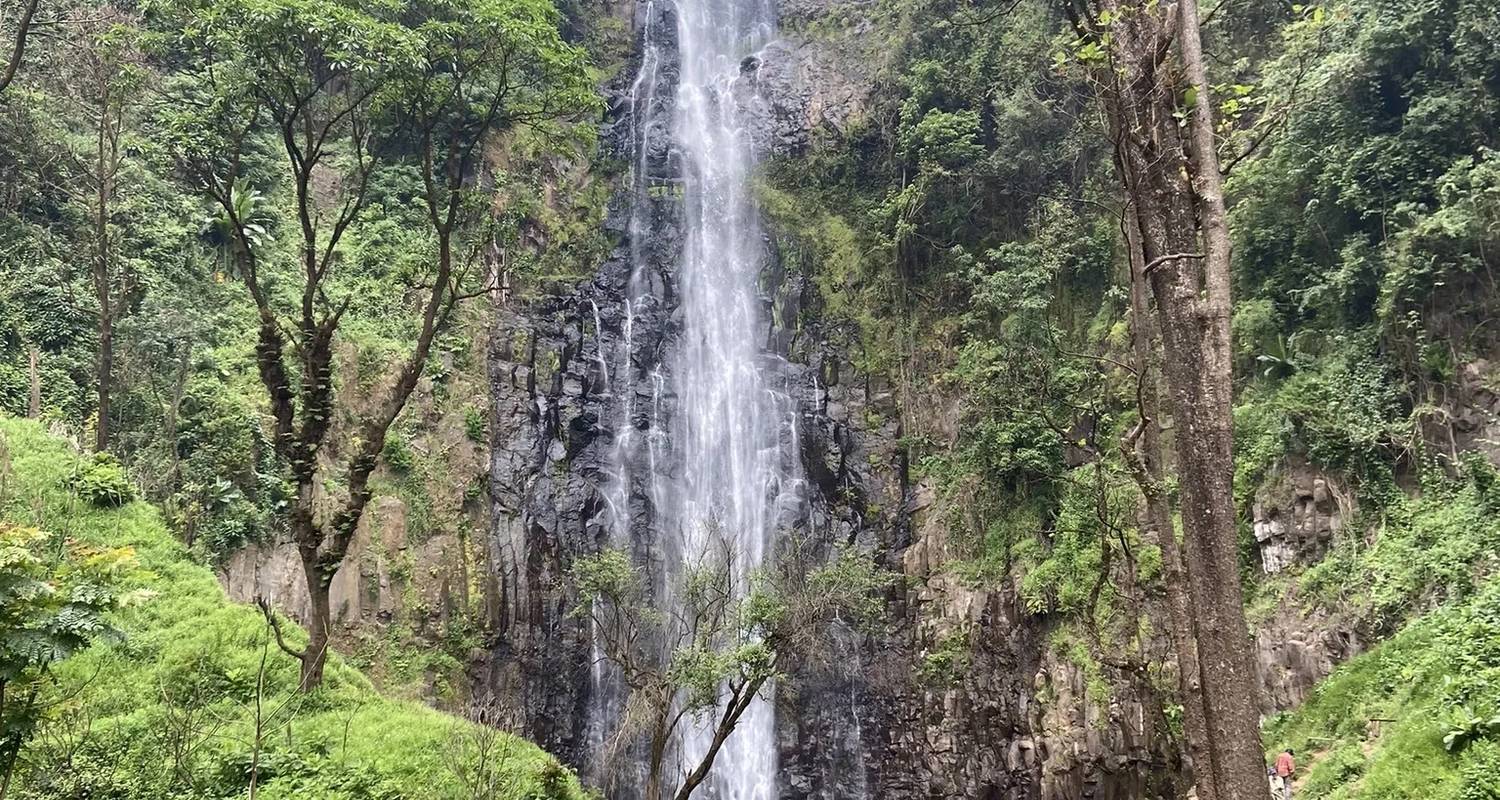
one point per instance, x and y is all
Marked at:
(801, 92)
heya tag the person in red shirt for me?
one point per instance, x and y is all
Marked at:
(1286, 770)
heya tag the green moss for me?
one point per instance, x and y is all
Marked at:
(189, 650)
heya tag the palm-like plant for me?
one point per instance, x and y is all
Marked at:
(252, 211)
(1466, 727)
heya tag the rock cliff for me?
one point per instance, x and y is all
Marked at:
(962, 694)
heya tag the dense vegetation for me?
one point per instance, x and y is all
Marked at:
(234, 233)
(965, 240)
(184, 417)
(1414, 718)
(968, 221)
(195, 701)
(967, 232)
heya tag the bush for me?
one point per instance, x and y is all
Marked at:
(102, 481)
(397, 453)
(1333, 770)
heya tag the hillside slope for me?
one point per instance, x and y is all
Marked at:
(1375, 729)
(172, 710)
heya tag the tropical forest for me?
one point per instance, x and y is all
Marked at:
(749, 399)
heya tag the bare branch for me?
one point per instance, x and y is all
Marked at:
(265, 609)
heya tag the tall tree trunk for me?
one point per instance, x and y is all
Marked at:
(1143, 453)
(34, 377)
(174, 414)
(104, 370)
(1187, 268)
(319, 623)
(658, 755)
(104, 185)
(18, 51)
(8, 766)
(1213, 552)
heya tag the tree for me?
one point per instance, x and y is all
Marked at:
(24, 14)
(348, 94)
(1159, 117)
(1142, 452)
(710, 654)
(55, 596)
(104, 73)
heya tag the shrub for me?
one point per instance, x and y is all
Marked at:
(171, 710)
(1336, 769)
(474, 424)
(102, 481)
(1466, 727)
(397, 453)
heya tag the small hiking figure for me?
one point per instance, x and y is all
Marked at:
(1286, 770)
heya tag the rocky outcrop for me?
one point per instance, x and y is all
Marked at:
(1297, 647)
(1296, 514)
(1474, 422)
(802, 92)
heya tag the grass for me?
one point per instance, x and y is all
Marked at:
(1374, 729)
(171, 710)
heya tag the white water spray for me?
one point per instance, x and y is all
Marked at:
(735, 432)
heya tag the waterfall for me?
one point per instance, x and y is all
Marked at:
(737, 463)
(705, 440)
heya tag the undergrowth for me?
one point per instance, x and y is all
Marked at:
(1375, 728)
(172, 710)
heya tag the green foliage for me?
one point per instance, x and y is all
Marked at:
(1465, 728)
(172, 707)
(1333, 769)
(608, 574)
(397, 452)
(1420, 682)
(1366, 209)
(56, 596)
(1425, 550)
(943, 141)
(102, 482)
(718, 647)
(475, 425)
(947, 662)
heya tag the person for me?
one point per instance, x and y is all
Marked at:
(1286, 770)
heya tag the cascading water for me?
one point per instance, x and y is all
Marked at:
(706, 453)
(736, 431)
